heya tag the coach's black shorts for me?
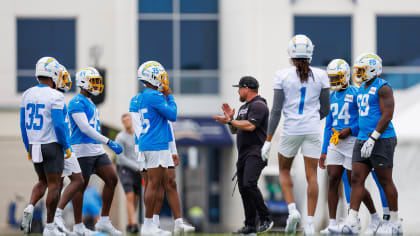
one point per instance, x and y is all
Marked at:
(130, 180)
(382, 153)
(53, 159)
(89, 164)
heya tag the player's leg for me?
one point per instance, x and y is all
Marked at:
(106, 171)
(38, 192)
(335, 172)
(159, 201)
(347, 188)
(385, 179)
(286, 184)
(385, 207)
(145, 179)
(174, 201)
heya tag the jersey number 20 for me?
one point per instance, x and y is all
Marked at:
(36, 120)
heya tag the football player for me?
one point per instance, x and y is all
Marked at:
(375, 144)
(46, 139)
(87, 140)
(302, 92)
(71, 165)
(341, 129)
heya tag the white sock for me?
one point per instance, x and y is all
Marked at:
(375, 216)
(156, 220)
(394, 216)
(333, 222)
(78, 226)
(178, 221)
(104, 219)
(292, 207)
(310, 220)
(58, 212)
(148, 221)
(50, 226)
(386, 210)
(353, 215)
(30, 207)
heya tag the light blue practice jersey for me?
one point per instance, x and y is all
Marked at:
(155, 111)
(80, 104)
(343, 114)
(369, 110)
(134, 107)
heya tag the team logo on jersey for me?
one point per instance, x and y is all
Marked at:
(243, 111)
(372, 90)
(348, 98)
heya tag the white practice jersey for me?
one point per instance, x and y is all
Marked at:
(38, 102)
(301, 100)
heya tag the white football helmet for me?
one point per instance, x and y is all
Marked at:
(339, 73)
(366, 67)
(48, 67)
(154, 73)
(64, 81)
(300, 46)
(90, 80)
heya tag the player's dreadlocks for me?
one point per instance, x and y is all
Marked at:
(302, 68)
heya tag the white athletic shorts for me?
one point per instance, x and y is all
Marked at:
(341, 154)
(154, 159)
(142, 161)
(71, 165)
(310, 145)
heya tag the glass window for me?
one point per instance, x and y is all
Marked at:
(199, 45)
(401, 81)
(155, 42)
(37, 38)
(397, 40)
(155, 6)
(201, 6)
(201, 85)
(331, 36)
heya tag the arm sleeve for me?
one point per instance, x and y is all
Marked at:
(276, 110)
(257, 112)
(59, 121)
(324, 100)
(122, 159)
(23, 129)
(83, 124)
(327, 133)
(172, 144)
(60, 129)
(166, 108)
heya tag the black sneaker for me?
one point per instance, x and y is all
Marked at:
(132, 229)
(265, 226)
(247, 230)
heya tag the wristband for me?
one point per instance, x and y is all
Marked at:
(375, 135)
(109, 140)
(230, 122)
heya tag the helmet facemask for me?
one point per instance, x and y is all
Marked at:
(337, 80)
(164, 81)
(95, 86)
(359, 74)
(64, 81)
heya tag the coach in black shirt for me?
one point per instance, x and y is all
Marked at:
(250, 126)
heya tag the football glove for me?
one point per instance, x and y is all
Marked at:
(68, 153)
(334, 137)
(115, 147)
(29, 157)
(367, 148)
(265, 151)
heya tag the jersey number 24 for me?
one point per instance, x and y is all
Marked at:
(342, 115)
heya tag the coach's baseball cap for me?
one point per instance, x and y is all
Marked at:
(247, 81)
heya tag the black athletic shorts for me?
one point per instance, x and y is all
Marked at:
(382, 153)
(130, 180)
(89, 164)
(53, 159)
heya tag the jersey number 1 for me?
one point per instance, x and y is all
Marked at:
(302, 99)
